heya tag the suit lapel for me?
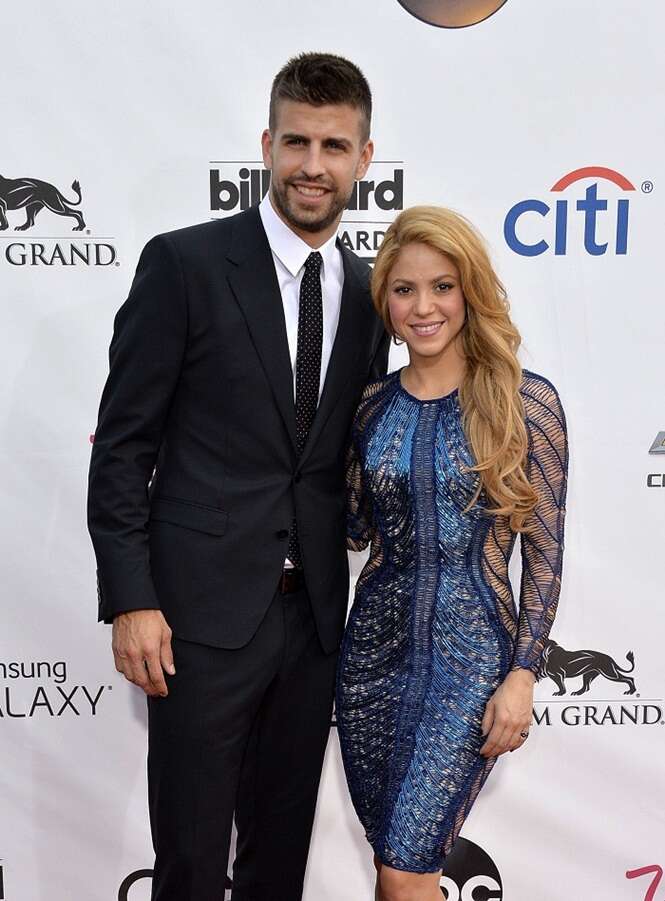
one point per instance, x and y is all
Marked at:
(354, 322)
(254, 283)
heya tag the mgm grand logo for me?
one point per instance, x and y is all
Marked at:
(563, 666)
(31, 195)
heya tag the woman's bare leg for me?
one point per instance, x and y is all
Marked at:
(377, 891)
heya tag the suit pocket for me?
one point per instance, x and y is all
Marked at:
(189, 515)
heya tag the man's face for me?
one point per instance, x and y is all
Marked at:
(315, 154)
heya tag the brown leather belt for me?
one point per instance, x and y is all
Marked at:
(291, 580)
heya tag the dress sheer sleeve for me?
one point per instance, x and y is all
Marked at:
(542, 544)
(359, 518)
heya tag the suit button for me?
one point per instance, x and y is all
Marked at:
(283, 533)
(297, 477)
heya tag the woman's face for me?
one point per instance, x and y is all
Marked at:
(425, 301)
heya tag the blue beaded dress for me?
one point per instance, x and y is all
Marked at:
(434, 628)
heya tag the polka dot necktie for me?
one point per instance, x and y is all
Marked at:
(308, 367)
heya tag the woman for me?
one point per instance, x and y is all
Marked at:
(451, 458)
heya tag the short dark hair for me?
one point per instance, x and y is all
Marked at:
(320, 78)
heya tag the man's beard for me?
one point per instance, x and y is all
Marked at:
(280, 196)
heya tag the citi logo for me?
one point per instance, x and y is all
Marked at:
(530, 236)
(234, 189)
(230, 192)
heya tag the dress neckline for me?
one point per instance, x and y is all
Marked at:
(452, 395)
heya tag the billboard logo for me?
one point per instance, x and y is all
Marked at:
(234, 190)
(523, 233)
(236, 186)
(233, 193)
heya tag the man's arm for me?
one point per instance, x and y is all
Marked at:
(146, 353)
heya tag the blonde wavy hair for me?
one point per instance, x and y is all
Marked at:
(492, 409)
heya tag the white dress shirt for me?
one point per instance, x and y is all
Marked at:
(289, 253)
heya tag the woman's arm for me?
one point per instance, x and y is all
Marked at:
(359, 519)
(542, 543)
(509, 710)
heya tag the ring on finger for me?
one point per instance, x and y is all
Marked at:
(524, 734)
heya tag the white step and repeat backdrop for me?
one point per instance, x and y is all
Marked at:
(544, 124)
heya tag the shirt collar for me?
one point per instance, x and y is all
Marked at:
(291, 250)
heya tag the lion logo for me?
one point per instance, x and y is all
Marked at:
(34, 195)
(559, 665)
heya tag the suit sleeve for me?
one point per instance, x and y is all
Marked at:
(542, 544)
(145, 357)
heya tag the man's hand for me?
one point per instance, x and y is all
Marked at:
(142, 650)
(508, 712)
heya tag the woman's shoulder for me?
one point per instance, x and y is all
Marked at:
(541, 400)
(538, 389)
(374, 391)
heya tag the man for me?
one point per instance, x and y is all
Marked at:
(237, 363)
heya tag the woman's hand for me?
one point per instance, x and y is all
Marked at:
(508, 713)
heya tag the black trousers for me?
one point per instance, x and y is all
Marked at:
(241, 731)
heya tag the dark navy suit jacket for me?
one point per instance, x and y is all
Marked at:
(195, 476)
